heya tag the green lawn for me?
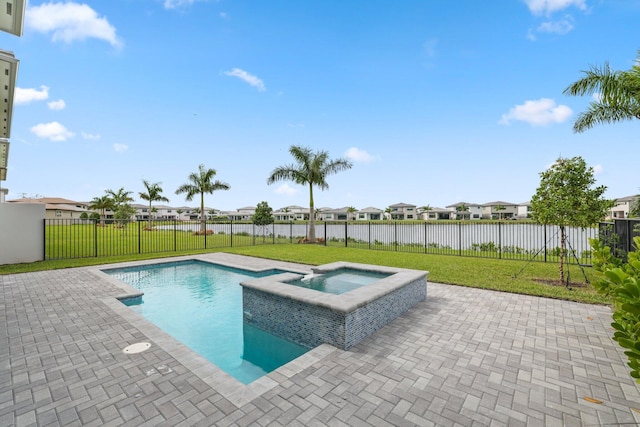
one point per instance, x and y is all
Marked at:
(487, 273)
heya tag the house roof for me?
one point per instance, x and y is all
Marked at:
(455, 205)
(401, 205)
(371, 210)
(501, 203)
(50, 200)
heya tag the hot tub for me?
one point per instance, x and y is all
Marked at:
(310, 317)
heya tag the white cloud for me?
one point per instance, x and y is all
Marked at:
(53, 131)
(57, 105)
(597, 169)
(120, 148)
(25, 96)
(286, 190)
(557, 27)
(224, 15)
(541, 112)
(175, 4)
(91, 136)
(248, 78)
(541, 7)
(69, 22)
(358, 155)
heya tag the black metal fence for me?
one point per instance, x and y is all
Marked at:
(619, 235)
(507, 240)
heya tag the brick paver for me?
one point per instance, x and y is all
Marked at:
(463, 357)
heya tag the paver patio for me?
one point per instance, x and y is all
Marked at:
(463, 357)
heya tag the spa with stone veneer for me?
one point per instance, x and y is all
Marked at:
(310, 317)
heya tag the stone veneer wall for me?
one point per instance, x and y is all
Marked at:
(311, 325)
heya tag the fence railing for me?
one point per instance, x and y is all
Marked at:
(507, 240)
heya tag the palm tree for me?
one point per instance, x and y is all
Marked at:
(102, 204)
(153, 194)
(462, 208)
(201, 182)
(120, 197)
(350, 212)
(500, 208)
(311, 168)
(618, 95)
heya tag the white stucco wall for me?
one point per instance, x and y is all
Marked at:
(21, 232)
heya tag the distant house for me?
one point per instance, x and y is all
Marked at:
(370, 214)
(434, 214)
(465, 211)
(524, 210)
(499, 210)
(622, 207)
(241, 214)
(402, 211)
(291, 213)
(58, 208)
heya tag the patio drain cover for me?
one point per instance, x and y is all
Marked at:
(138, 347)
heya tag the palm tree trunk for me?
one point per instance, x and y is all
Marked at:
(312, 217)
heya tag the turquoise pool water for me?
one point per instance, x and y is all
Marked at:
(339, 281)
(200, 304)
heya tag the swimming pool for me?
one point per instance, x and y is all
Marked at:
(200, 304)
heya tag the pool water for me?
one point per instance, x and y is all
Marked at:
(200, 304)
(339, 281)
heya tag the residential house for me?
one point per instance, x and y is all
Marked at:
(291, 213)
(434, 214)
(340, 214)
(57, 207)
(370, 214)
(3, 194)
(524, 210)
(465, 211)
(622, 207)
(499, 210)
(402, 211)
(241, 214)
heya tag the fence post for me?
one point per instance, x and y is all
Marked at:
(290, 231)
(369, 235)
(346, 235)
(95, 237)
(175, 235)
(325, 233)
(545, 243)
(44, 239)
(395, 236)
(460, 238)
(231, 228)
(253, 233)
(500, 240)
(139, 238)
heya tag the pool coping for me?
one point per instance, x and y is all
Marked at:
(233, 390)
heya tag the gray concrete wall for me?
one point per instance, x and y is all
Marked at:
(21, 232)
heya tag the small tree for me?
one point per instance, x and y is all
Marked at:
(566, 198)
(500, 208)
(263, 216)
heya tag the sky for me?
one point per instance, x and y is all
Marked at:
(434, 102)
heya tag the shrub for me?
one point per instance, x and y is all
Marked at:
(622, 281)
